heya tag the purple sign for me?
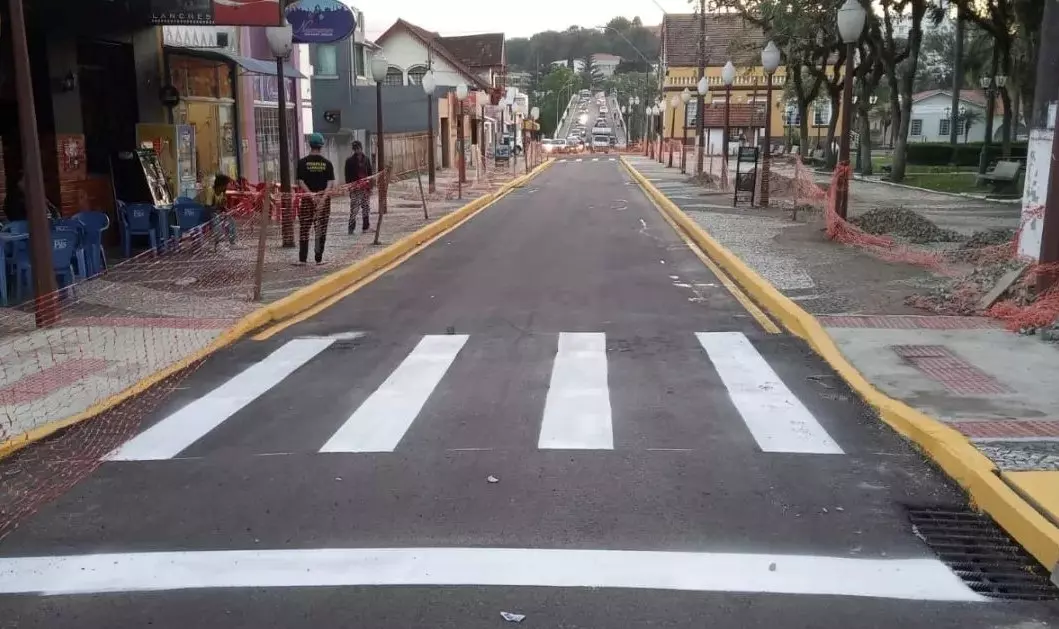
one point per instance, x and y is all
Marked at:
(320, 21)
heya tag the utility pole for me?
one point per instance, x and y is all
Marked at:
(700, 112)
(1040, 236)
(431, 167)
(957, 83)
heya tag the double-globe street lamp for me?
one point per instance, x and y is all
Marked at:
(990, 85)
(674, 102)
(770, 61)
(685, 97)
(702, 90)
(430, 83)
(727, 77)
(659, 128)
(851, 17)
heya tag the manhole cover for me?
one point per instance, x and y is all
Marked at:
(987, 560)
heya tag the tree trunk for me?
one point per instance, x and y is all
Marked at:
(897, 172)
(803, 129)
(829, 151)
(915, 44)
(865, 143)
(895, 106)
(1006, 125)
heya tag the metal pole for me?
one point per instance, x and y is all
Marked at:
(262, 240)
(459, 147)
(286, 206)
(727, 121)
(672, 132)
(430, 144)
(380, 167)
(481, 137)
(40, 242)
(766, 158)
(847, 117)
(684, 144)
(700, 102)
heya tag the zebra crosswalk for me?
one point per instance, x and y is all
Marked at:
(579, 160)
(577, 411)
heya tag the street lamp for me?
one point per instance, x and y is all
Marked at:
(281, 43)
(701, 90)
(535, 113)
(727, 77)
(770, 61)
(430, 83)
(461, 94)
(850, 18)
(674, 102)
(379, 68)
(685, 97)
(660, 127)
(990, 84)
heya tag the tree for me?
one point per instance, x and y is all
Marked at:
(555, 89)
(623, 37)
(912, 12)
(591, 75)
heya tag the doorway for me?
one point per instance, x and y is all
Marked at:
(108, 101)
(446, 158)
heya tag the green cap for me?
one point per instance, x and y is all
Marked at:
(316, 140)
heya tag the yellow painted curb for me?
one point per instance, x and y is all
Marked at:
(279, 310)
(948, 448)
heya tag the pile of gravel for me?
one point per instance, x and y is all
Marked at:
(989, 238)
(905, 223)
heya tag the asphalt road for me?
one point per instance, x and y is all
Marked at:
(660, 460)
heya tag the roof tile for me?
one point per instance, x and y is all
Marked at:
(728, 36)
(477, 51)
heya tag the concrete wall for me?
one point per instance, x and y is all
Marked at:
(404, 109)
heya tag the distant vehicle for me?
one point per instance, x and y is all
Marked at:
(601, 129)
(601, 142)
(574, 144)
(553, 145)
(603, 109)
(584, 93)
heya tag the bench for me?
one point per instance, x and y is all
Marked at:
(1003, 177)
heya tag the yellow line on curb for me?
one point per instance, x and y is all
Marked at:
(747, 303)
(952, 451)
(330, 301)
(282, 309)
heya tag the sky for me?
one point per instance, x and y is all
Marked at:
(465, 17)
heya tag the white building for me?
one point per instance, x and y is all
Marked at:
(607, 64)
(932, 116)
(476, 60)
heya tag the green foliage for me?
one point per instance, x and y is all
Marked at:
(622, 37)
(941, 153)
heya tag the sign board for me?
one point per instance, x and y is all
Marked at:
(320, 21)
(216, 12)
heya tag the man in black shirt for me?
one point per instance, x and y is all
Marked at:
(358, 167)
(316, 175)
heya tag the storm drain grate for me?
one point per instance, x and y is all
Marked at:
(987, 560)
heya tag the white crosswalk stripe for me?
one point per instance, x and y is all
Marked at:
(576, 414)
(173, 434)
(776, 418)
(577, 410)
(383, 419)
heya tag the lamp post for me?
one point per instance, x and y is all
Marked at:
(379, 67)
(461, 94)
(429, 85)
(281, 43)
(990, 84)
(685, 97)
(728, 77)
(535, 113)
(674, 102)
(770, 61)
(660, 127)
(702, 90)
(850, 18)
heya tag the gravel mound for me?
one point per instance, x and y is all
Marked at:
(905, 223)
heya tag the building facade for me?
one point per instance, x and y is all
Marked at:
(931, 119)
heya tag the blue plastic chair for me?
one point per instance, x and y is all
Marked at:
(189, 216)
(137, 219)
(64, 245)
(16, 261)
(184, 201)
(95, 224)
(77, 229)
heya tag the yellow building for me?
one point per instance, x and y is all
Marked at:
(729, 38)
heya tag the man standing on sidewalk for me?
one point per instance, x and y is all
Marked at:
(316, 176)
(358, 167)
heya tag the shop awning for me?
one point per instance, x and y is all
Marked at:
(251, 66)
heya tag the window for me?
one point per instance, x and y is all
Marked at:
(326, 61)
(693, 113)
(791, 116)
(358, 60)
(821, 114)
(943, 127)
(394, 76)
(917, 127)
(416, 74)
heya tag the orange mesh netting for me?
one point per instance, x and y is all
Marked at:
(181, 289)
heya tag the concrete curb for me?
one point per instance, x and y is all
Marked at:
(953, 452)
(963, 195)
(284, 308)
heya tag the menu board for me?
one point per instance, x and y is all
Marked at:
(157, 182)
(140, 178)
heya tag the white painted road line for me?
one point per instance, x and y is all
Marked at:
(907, 579)
(595, 159)
(577, 409)
(380, 423)
(776, 418)
(172, 435)
(579, 160)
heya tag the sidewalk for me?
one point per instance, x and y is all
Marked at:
(151, 312)
(996, 387)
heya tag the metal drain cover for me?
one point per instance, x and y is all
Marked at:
(981, 554)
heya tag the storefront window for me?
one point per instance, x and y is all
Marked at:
(266, 129)
(207, 105)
